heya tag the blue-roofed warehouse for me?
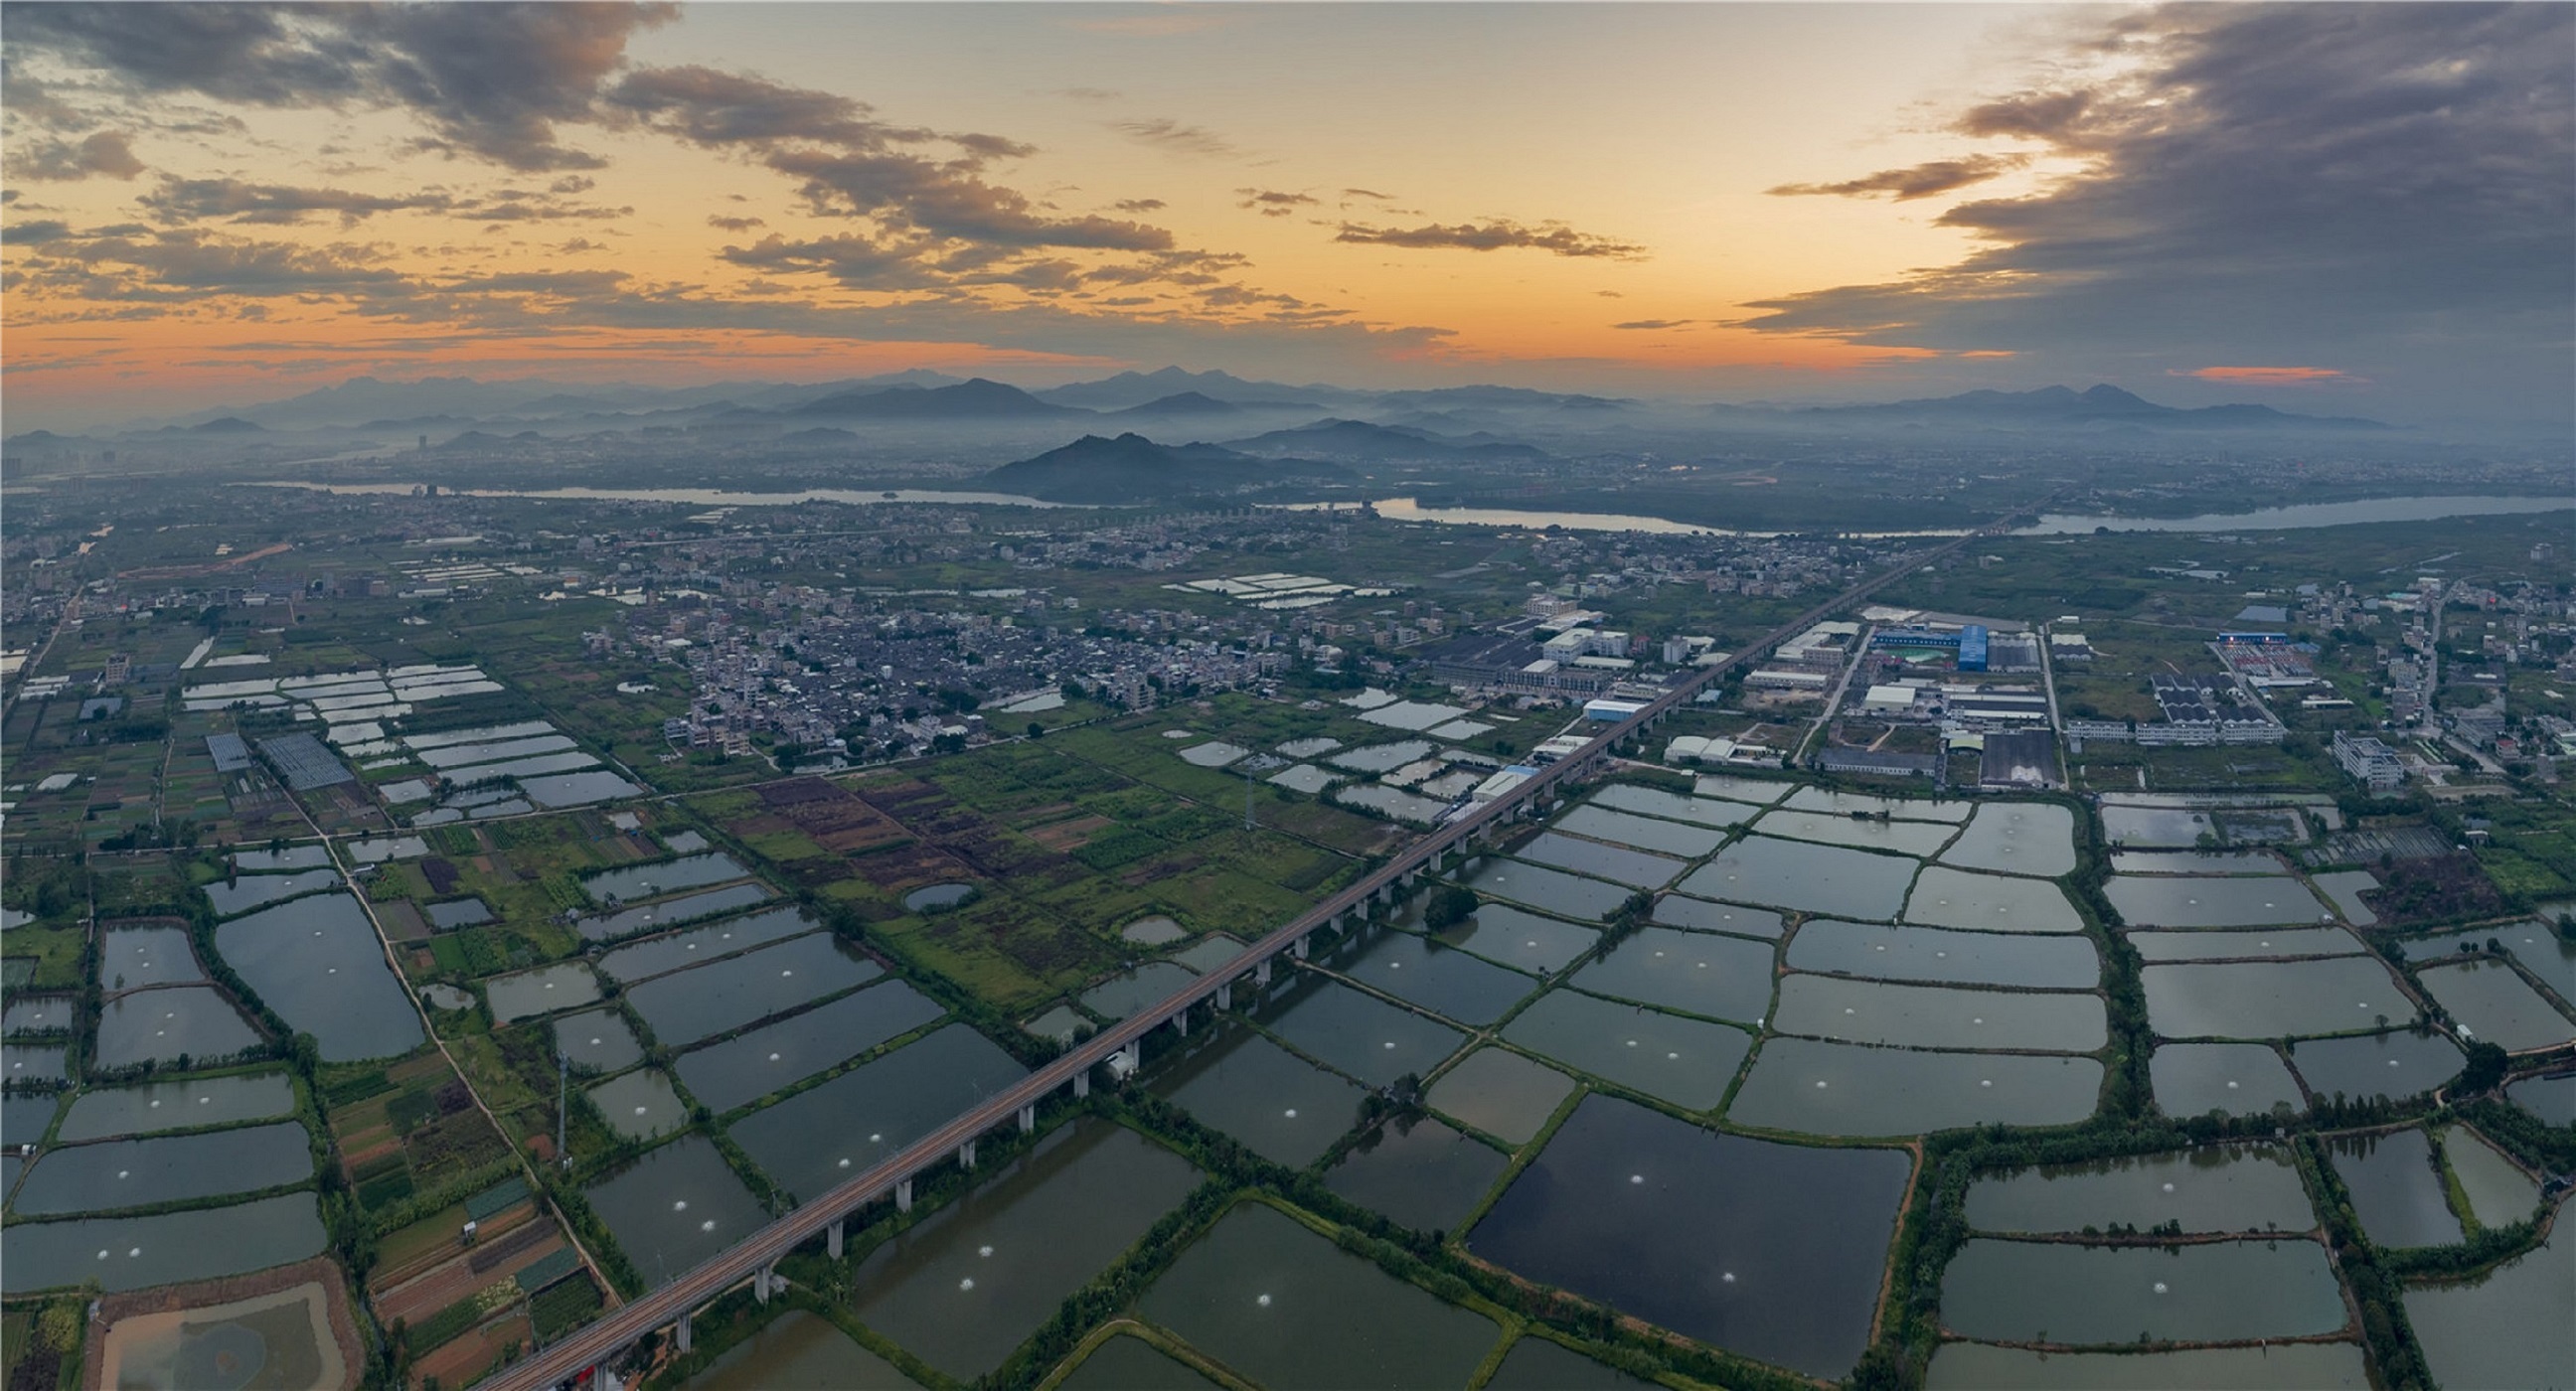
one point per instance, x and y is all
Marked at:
(1972, 647)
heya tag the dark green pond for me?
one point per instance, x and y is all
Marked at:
(1684, 1061)
(2282, 1367)
(1700, 915)
(2396, 1192)
(686, 1006)
(2241, 1079)
(726, 1075)
(1501, 1093)
(670, 952)
(1420, 1173)
(2094, 1295)
(1291, 1311)
(158, 1106)
(1275, 1103)
(2396, 1064)
(1698, 972)
(2215, 1188)
(1937, 956)
(132, 1253)
(798, 1351)
(1132, 1364)
(117, 1174)
(130, 958)
(318, 962)
(1352, 1032)
(1430, 973)
(1768, 1250)
(970, 1282)
(194, 1021)
(2553, 1099)
(1940, 1016)
(1818, 1088)
(824, 1135)
(676, 1207)
(1134, 992)
(1535, 1364)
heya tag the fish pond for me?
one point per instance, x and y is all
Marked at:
(1548, 890)
(1617, 863)
(1669, 806)
(1940, 1016)
(2396, 1189)
(639, 1105)
(689, 1005)
(1843, 1089)
(2508, 1327)
(1134, 992)
(1353, 1032)
(2397, 1064)
(1915, 838)
(964, 1286)
(1768, 1250)
(132, 957)
(1501, 1093)
(1695, 972)
(317, 962)
(1523, 940)
(116, 1174)
(1419, 1173)
(2240, 1079)
(2156, 901)
(826, 1134)
(1810, 878)
(599, 1040)
(632, 882)
(1430, 973)
(1687, 1062)
(1937, 956)
(1946, 897)
(2279, 1367)
(670, 912)
(675, 1207)
(1700, 915)
(163, 1025)
(725, 1075)
(541, 991)
(132, 1253)
(2077, 1295)
(257, 890)
(2499, 1193)
(1273, 1102)
(2492, 1002)
(159, 1106)
(2211, 945)
(654, 955)
(2273, 999)
(2215, 1188)
(798, 1351)
(2034, 838)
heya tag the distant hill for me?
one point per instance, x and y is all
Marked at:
(1132, 468)
(977, 398)
(1362, 441)
(1182, 403)
(1128, 390)
(227, 425)
(2099, 406)
(1499, 398)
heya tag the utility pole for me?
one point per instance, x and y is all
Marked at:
(1247, 795)
(563, 1094)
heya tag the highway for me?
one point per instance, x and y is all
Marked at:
(602, 1339)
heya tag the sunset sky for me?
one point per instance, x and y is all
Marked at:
(2337, 209)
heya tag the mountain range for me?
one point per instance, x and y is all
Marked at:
(1132, 468)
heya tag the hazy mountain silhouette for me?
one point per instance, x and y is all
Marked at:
(1132, 468)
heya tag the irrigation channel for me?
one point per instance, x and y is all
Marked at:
(754, 1258)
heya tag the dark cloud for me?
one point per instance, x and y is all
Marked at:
(35, 233)
(723, 223)
(489, 80)
(1271, 202)
(191, 264)
(1087, 93)
(1497, 234)
(937, 198)
(200, 200)
(1164, 133)
(106, 152)
(1367, 193)
(1916, 181)
(707, 106)
(2392, 186)
(1656, 323)
(1140, 205)
(854, 261)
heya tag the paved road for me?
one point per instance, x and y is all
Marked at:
(604, 1338)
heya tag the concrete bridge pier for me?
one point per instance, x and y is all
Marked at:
(832, 1239)
(1082, 1084)
(1135, 1055)
(1261, 975)
(903, 1196)
(1181, 1023)
(1028, 1119)
(680, 1338)
(761, 1280)
(1225, 996)
(966, 1155)
(1299, 947)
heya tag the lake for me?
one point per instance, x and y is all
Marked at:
(1819, 1088)
(1684, 1061)
(1768, 1250)
(318, 963)
(2096, 1295)
(964, 1286)
(1287, 1308)
(2299, 516)
(2214, 1188)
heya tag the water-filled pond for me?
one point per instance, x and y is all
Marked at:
(2093, 1295)
(2155, 827)
(1520, 939)
(2209, 944)
(193, 1021)
(1825, 828)
(1696, 972)
(1133, 992)
(1548, 890)
(1291, 1311)
(282, 858)
(317, 962)
(2196, 862)
(2499, 1193)
(253, 890)
(2278, 1367)
(36, 1014)
(798, 1351)
(2273, 999)
(1805, 876)
(652, 881)
(670, 912)
(24, 1117)
(1938, 956)
(1634, 868)
(1501, 1093)
(456, 913)
(639, 1105)
(1642, 833)
(1700, 915)
(1946, 897)
(599, 1040)
(1153, 931)
(1535, 1364)
(1684, 1061)
(1768, 1250)
(1419, 1173)
(1382, 758)
(675, 1207)
(685, 1006)
(2241, 1079)
(132, 1253)
(1209, 952)
(1761, 792)
(2035, 838)
(2397, 1064)
(1940, 1016)
(1403, 806)
(2228, 902)
(1861, 804)
(964, 1286)
(830, 1133)
(544, 990)
(132, 957)
(2396, 1191)
(112, 1175)
(2492, 1002)
(2549, 957)
(655, 955)
(1275, 1103)
(739, 1070)
(1672, 806)
(1818, 1088)
(2508, 1328)
(1355, 1033)
(937, 896)
(1434, 975)
(1126, 1363)
(2553, 1099)
(2215, 1188)
(158, 1106)
(32, 1062)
